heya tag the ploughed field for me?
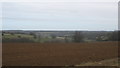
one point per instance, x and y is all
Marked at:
(57, 54)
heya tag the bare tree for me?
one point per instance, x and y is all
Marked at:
(78, 37)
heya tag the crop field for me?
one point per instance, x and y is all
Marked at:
(57, 54)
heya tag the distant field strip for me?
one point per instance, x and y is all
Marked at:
(57, 54)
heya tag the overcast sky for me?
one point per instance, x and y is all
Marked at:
(60, 15)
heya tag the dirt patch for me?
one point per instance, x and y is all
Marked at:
(57, 54)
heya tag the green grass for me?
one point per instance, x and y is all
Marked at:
(17, 36)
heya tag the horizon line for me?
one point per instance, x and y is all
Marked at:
(51, 30)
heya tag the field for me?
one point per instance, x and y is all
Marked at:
(57, 54)
(17, 36)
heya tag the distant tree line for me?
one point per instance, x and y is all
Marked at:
(113, 36)
(77, 36)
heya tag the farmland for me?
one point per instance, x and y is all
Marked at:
(57, 54)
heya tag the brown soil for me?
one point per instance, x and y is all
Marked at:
(57, 54)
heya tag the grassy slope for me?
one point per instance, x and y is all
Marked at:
(108, 62)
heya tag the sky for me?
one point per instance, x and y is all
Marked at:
(60, 15)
